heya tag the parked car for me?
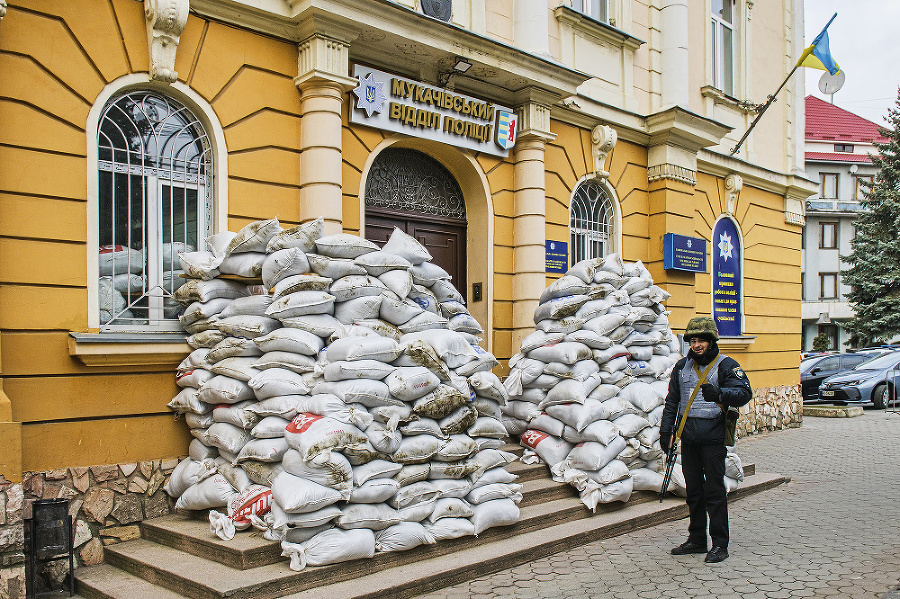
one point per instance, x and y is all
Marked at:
(872, 382)
(816, 369)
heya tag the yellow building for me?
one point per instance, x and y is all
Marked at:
(505, 132)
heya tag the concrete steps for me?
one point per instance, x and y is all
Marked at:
(179, 557)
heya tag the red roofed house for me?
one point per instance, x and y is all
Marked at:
(838, 144)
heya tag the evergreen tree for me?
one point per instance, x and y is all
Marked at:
(875, 249)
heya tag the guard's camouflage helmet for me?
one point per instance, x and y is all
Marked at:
(703, 327)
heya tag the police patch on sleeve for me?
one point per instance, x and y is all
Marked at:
(738, 372)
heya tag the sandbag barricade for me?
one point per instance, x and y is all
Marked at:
(587, 388)
(347, 382)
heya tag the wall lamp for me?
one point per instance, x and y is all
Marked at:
(460, 66)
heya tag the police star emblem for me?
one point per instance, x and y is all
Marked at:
(370, 94)
(739, 373)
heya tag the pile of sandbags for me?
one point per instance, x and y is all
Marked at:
(587, 387)
(344, 406)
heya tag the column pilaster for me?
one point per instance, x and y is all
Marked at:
(322, 79)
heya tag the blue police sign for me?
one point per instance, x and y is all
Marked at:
(727, 278)
(556, 256)
(684, 253)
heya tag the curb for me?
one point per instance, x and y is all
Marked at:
(833, 412)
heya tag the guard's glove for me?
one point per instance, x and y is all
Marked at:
(710, 392)
(665, 441)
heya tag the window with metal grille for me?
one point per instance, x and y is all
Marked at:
(409, 180)
(591, 222)
(155, 180)
(722, 45)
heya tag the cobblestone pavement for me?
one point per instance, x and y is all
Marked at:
(833, 531)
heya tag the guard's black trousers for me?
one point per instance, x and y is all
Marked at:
(703, 466)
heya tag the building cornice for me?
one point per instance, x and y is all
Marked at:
(383, 31)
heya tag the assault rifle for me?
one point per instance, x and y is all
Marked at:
(670, 465)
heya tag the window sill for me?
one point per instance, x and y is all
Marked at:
(128, 349)
(720, 97)
(604, 31)
(737, 343)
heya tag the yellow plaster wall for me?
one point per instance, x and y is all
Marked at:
(56, 58)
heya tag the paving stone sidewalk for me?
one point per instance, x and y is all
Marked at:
(833, 531)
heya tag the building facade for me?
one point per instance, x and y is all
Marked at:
(509, 131)
(838, 144)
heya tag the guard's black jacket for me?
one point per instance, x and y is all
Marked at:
(735, 391)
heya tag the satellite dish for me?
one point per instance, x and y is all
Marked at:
(439, 9)
(829, 83)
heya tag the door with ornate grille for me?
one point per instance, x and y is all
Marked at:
(412, 191)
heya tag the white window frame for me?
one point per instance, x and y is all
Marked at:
(828, 235)
(217, 212)
(830, 280)
(857, 185)
(596, 9)
(608, 234)
(723, 55)
(824, 192)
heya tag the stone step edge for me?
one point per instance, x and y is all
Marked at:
(108, 582)
(647, 513)
(435, 573)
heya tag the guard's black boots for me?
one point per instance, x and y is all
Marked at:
(716, 555)
(689, 547)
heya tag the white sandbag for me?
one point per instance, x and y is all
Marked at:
(188, 400)
(413, 493)
(498, 512)
(645, 479)
(227, 437)
(733, 467)
(282, 264)
(452, 487)
(379, 262)
(263, 450)
(356, 286)
(458, 421)
(239, 368)
(619, 407)
(198, 452)
(297, 495)
(301, 236)
(590, 338)
(231, 347)
(406, 246)
(270, 427)
(119, 259)
(373, 516)
(246, 264)
(254, 237)
(440, 402)
(416, 449)
(453, 470)
(253, 501)
(205, 339)
(301, 303)
(236, 414)
(457, 447)
(311, 434)
(450, 346)
(397, 311)
(539, 339)
(488, 384)
(200, 310)
(489, 492)
(364, 348)
(585, 269)
(563, 326)
(376, 490)
(595, 494)
(560, 307)
(488, 408)
(423, 322)
(428, 273)
(411, 383)
(642, 396)
(548, 448)
(593, 456)
(211, 492)
(329, 469)
(630, 425)
(290, 340)
(188, 472)
(450, 507)
(601, 431)
(357, 369)
(578, 415)
(194, 420)
(483, 362)
(319, 517)
(369, 393)
(283, 406)
(450, 528)
(384, 436)
(488, 427)
(417, 512)
(344, 245)
(300, 282)
(564, 286)
(402, 537)
(330, 547)
(285, 360)
(413, 473)
(374, 469)
(321, 325)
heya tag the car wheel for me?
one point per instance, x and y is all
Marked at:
(879, 395)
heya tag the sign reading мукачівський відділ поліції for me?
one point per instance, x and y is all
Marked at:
(727, 278)
(405, 106)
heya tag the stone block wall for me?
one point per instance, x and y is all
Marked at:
(107, 505)
(771, 409)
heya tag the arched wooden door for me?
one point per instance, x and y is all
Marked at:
(413, 192)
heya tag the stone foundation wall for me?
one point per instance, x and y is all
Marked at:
(771, 409)
(107, 504)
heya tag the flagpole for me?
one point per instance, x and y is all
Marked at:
(771, 99)
(762, 110)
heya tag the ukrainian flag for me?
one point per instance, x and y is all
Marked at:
(818, 55)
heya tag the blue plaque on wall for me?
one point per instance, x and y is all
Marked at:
(556, 256)
(681, 252)
(727, 278)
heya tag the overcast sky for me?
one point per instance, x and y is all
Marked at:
(865, 42)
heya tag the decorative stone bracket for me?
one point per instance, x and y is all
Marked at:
(603, 140)
(2, 9)
(733, 185)
(165, 22)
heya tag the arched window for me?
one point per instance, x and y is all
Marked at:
(155, 201)
(591, 222)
